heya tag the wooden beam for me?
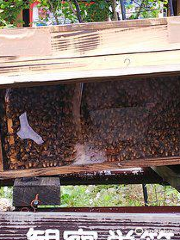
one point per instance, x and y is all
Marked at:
(169, 175)
(84, 69)
(21, 225)
(122, 176)
(82, 39)
(52, 171)
(131, 209)
(62, 53)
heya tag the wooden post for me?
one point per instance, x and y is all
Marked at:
(10, 128)
(20, 19)
(169, 175)
(178, 7)
(25, 191)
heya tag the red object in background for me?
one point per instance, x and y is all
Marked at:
(32, 5)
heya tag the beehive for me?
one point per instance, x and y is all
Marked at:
(89, 101)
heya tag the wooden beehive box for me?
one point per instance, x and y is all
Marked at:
(88, 97)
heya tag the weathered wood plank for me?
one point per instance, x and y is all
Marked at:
(85, 69)
(79, 51)
(33, 34)
(52, 171)
(25, 190)
(82, 42)
(107, 25)
(25, 42)
(102, 226)
(121, 176)
(169, 175)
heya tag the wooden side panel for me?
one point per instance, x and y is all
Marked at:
(102, 226)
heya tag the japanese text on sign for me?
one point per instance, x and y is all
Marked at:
(137, 234)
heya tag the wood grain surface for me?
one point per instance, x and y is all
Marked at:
(91, 50)
(85, 52)
(16, 225)
(53, 171)
(47, 188)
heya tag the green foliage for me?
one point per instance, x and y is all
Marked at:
(60, 10)
(98, 11)
(118, 195)
(9, 11)
(6, 192)
(147, 8)
(101, 10)
(112, 195)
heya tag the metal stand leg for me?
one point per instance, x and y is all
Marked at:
(145, 193)
(123, 9)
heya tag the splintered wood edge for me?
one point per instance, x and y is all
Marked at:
(52, 171)
(1, 157)
(113, 24)
(107, 25)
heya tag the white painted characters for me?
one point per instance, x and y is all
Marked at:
(165, 235)
(140, 235)
(137, 234)
(49, 234)
(80, 235)
(118, 235)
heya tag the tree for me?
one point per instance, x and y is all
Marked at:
(147, 8)
(80, 11)
(9, 11)
(102, 10)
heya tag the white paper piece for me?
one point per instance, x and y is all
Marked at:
(26, 132)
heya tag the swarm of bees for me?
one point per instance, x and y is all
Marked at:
(115, 120)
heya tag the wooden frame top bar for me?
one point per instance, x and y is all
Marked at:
(81, 52)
